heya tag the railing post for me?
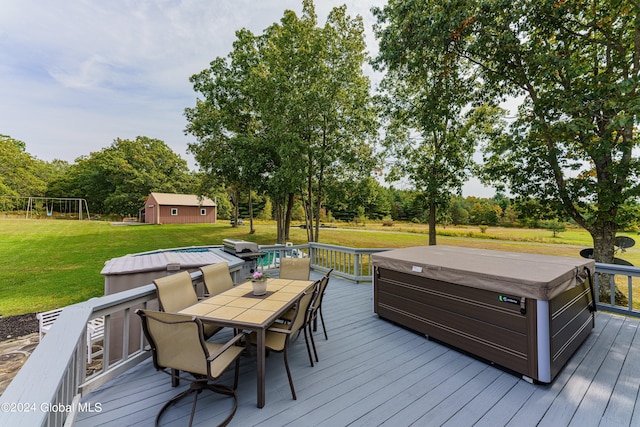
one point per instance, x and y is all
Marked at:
(356, 268)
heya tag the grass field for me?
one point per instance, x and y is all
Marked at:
(46, 264)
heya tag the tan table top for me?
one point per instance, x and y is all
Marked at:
(238, 306)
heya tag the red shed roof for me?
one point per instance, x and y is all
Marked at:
(182, 200)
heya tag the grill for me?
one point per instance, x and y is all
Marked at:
(249, 252)
(242, 249)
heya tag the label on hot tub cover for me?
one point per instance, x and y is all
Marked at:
(508, 299)
(416, 269)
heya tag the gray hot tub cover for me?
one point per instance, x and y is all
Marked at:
(541, 277)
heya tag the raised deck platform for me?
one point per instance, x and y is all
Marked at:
(373, 372)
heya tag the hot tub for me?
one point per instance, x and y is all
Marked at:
(528, 313)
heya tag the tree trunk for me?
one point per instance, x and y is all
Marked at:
(236, 196)
(310, 213)
(251, 229)
(603, 251)
(287, 219)
(280, 215)
(432, 224)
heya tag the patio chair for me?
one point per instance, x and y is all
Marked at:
(216, 278)
(295, 268)
(176, 292)
(278, 336)
(95, 330)
(177, 344)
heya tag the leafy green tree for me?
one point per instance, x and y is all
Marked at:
(345, 198)
(485, 213)
(531, 212)
(230, 147)
(117, 179)
(555, 226)
(509, 216)
(56, 175)
(287, 111)
(576, 64)
(320, 113)
(20, 173)
(425, 92)
(457, 212)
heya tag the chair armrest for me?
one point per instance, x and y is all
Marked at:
(227, 345)
(279, 330)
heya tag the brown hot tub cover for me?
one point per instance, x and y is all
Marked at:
(541, 277)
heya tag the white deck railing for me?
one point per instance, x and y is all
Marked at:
(48, 388)
(349, 263)
(618, 271)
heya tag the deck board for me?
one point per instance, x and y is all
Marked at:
(373, 372)
(625, 392)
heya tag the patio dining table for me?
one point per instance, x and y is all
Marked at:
(239, 308)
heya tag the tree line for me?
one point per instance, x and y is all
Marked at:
(289, 116)
(118, 179)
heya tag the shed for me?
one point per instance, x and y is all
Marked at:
(166, 208)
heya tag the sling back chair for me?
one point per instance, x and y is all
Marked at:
(216, 278)
(278, 336)
(295, 268)
(177, 343)
(315, 307)
(176, 292)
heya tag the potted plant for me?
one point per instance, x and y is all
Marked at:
(259, 282)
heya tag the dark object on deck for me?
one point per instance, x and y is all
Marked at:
(528, 313)
(587, 253)
(624, 242)
(622, 262)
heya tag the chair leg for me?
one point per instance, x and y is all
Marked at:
(175, 378)
(323, 327)
(172, 401)
(286, 365)
(193, 407)
(313, 344)
(197, 388)
(306, 341)
(237, 374)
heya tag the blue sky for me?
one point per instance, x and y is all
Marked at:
(77, 74)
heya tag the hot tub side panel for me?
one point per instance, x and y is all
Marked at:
(571, 322)
(482, 323)
(470, 319)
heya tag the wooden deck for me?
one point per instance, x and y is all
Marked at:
(372, 372)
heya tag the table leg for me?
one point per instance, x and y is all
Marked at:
(260, 362)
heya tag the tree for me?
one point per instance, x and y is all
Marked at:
(576, 64)
(20, 173)
(118, 178)
(287, 111)
(320, 113)
(458, 214)
(230, 147)
(426, 89)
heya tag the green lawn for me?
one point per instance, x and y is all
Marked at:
(46, 264)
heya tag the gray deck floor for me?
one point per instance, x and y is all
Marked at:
(372, 372)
